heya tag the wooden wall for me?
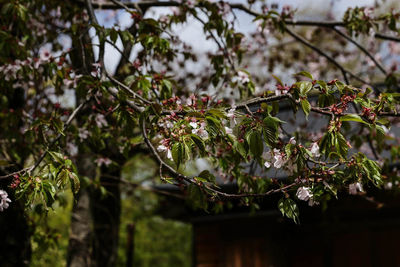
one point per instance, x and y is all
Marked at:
(258, 242)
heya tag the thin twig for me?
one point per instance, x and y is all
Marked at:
(119, 50)
(136, 95)
(15, 173)
(220, 46)
(363, 49)
(329, 58)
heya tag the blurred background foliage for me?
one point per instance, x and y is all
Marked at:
(157, 241)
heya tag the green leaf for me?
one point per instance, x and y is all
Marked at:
(113, 35)
(218, 113)
(241, 148)
(75, 183)
(58, 157)
(198, 142)
(305, 105)
(304, 74)
(59, 125)
(322, 84)
(277, 79)
(353, 117)
(177, 153)
(198, 199)
(304, 87)
(270, 130)
(213, 125)
(209, 177)
(289, 209)
(383, 121)
(341, 145)
(255, 143)
(62, 178)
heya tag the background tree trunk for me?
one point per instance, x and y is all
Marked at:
(106, 209)
(15, 246)
(79, 248)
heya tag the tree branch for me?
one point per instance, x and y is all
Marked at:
(189, 180)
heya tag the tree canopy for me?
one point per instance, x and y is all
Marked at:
(305, 109)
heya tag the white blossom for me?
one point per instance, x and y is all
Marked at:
(228, 130)
(354, 188)
(385, 129)
(83, 134)
(267, 156)
(190, 3)
(241, 77)
(4, 200)
(166, 124)
(312, 202)
(279, 158)
(101, 121)
(267, 164)
(279, 92)
(96, 68)
(162, 148)
(231, 116)
(201, 131)
(292, 141)
(304, 193)
(44, 54)
(103, 161)
(164, 19)
(72, 149)
(315, 150)
(388, 186)
(194, 125)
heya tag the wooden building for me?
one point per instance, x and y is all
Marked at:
(353, 231)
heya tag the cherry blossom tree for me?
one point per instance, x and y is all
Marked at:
(299, 108)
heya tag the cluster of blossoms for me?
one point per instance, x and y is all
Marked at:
(96, 70)
(304, 193)
(4, 200)
(101, 121)
(103, 161)
(199, 129)
(315, 150)
(10, 71)
(278, 159)
(281, 90)
(165, 146)
(83, 134)
(167, 123)
(275, 157)
(355, 188)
